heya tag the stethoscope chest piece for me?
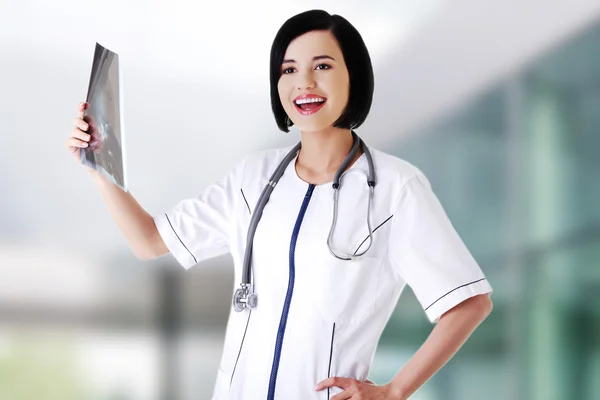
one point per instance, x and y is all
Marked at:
(242, 299)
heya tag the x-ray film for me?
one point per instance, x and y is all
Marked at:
(106, 150)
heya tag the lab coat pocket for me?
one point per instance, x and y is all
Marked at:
(221, 390)
(234, 340)
(348, 289)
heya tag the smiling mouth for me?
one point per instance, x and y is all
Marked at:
(309, 106)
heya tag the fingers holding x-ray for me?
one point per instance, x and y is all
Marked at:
(102, 114)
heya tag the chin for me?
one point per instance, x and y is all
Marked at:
(316, 126)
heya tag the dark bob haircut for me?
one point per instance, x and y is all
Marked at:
(356, 57)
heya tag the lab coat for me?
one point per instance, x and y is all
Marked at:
(318, 316)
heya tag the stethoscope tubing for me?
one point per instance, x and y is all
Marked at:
(245, 296)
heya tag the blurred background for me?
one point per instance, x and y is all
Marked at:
(498, 102)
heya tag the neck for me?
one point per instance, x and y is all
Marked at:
(323, 152)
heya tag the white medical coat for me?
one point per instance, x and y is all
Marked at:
(318, 316)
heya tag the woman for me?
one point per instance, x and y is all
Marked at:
(318, 316)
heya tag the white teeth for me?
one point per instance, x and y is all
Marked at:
(311, 100)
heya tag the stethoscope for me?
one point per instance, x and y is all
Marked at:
(245, 296)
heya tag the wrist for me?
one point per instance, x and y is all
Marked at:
(97, 176)
(395, 392)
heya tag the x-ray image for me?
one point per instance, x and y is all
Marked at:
(105, 153)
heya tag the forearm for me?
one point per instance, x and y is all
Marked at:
(448, 335)
(136, 225)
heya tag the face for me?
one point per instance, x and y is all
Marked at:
(314, 83)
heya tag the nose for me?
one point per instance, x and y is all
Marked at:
(305, 81)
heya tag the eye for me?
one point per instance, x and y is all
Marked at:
(323, 66)
(288, 70)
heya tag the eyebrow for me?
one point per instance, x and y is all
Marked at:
(323, 57)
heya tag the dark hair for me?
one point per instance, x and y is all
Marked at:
(356, 57)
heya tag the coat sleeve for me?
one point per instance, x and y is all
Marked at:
(428, 254)
(199, 228)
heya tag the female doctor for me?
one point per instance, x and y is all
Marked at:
(324, 236)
